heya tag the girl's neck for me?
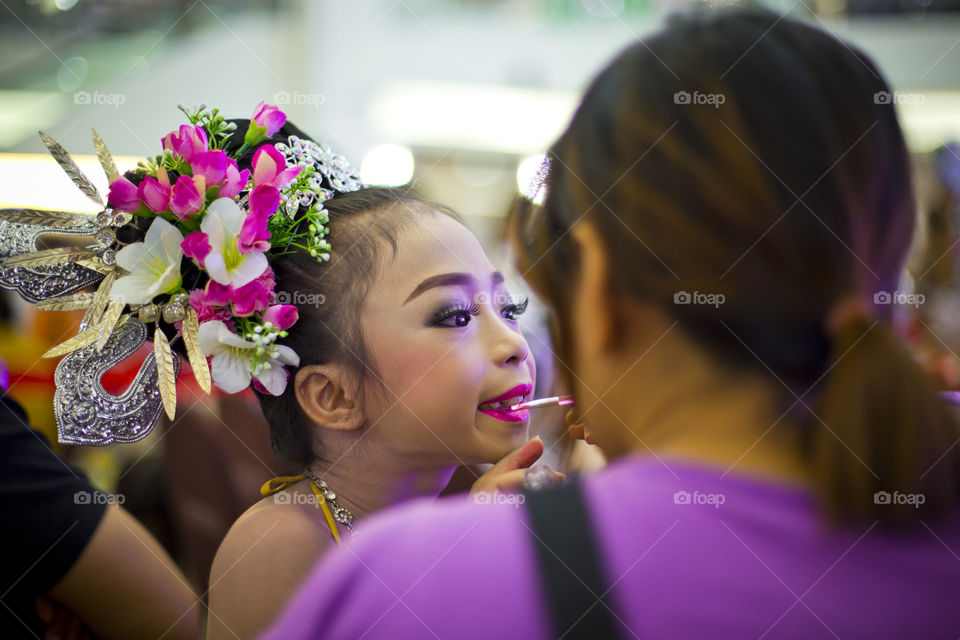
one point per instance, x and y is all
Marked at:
(363, 485)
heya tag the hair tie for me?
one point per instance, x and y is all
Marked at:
(846, 310)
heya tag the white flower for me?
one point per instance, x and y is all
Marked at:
(232, 366)
(154, 265)
(225, 263)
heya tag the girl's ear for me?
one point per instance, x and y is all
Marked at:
(328, 396)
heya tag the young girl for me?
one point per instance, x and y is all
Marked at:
(726, 218)
(410, 355)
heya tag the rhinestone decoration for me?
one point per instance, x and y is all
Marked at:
(86, 413)
(332, 172)
(173, 312)
(148, 313)
(121, 218)
(341, 515)
(105, 237)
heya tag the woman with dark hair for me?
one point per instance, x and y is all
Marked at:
(726, 219)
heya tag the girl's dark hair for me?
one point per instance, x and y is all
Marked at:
(750, 155)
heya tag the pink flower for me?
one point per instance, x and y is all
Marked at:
(217, 294)
(155, 194)
(206, 311)
(235, 180)
(250, 298)
(282, 316)
(269, 116)
(267, 120)
(254, 235)
(270, 168)
(124, 195)
(187, 141)
(188, 194)
(196, 245)
(212, 165)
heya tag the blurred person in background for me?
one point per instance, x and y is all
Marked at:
(75, 560)
(722, 213)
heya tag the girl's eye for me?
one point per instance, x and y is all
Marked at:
(515, 310)
(456, 316)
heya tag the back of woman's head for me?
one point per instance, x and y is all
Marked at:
(753, 156)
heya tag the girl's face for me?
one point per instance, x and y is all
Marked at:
(442, 333)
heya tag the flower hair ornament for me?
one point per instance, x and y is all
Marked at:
(181, 251)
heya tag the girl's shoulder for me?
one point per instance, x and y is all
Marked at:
(273, 546)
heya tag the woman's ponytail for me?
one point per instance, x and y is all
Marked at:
(883, 445)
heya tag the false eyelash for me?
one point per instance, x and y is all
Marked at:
(518, 308)
(452, 310)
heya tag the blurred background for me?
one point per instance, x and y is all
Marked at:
(457, 97)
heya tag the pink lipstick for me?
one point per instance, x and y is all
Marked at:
(501, 407)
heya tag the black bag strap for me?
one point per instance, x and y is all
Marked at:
(570, 570)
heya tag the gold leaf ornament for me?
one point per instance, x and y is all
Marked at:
(166, 375)
(191, 328)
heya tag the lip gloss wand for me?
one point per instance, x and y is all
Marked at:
(555, 401)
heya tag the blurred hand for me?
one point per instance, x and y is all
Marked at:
(507, 475)
(62, 624)
(577, 429)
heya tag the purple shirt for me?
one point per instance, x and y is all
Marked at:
(726, 557)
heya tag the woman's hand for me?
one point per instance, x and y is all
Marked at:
(507, 475)
(577, 429)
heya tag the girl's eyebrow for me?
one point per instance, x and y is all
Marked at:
(451, 279)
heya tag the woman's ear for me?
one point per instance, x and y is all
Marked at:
(328, 396)
(593, 309)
